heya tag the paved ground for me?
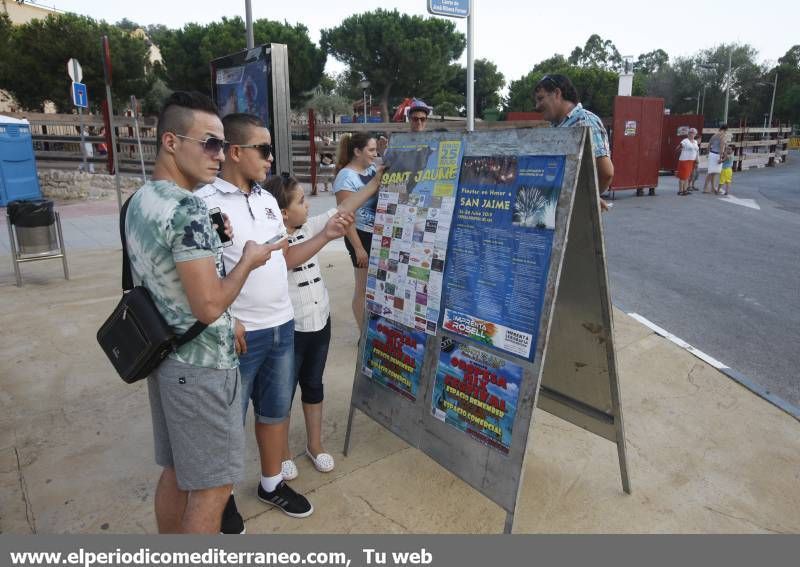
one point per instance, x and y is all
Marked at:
(716, 272)
(706, 455)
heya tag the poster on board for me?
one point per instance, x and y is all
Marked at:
(244, 88)
(477, 392)
(412, 224)
(393, 356)
(499, 249)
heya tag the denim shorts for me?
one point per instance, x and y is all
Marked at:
(267, 370)
(310, 355)
(197, 424)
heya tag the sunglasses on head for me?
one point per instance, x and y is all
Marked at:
(551, 80)
(211, 145)
(266, 149)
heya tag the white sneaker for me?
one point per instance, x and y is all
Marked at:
(289, 470)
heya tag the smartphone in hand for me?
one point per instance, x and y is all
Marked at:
(277, 238)
(217, 219)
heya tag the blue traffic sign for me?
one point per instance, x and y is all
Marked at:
(80, 97)
(450, 8)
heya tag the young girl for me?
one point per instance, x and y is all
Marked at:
(726, 176)
(311, 310)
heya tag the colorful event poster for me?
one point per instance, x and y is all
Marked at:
(477, 392)
(393, 356)
(499, 249)
(244, 88)
(412, 225)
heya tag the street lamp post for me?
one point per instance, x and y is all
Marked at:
(364, 86)
(703, 106)
(697, 111)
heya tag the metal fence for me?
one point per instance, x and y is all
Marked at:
(56, 139)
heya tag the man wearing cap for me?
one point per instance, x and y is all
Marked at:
(418, 113)
(557, 99)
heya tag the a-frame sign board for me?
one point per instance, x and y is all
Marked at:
(452, 381)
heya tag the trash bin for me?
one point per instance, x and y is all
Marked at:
(34, 224)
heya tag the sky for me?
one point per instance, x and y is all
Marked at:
(514, 34)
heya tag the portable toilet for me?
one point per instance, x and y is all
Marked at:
(17, 162)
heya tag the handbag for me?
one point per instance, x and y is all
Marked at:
(136, 338)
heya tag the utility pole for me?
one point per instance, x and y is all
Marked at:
(772, 104)
(728, 86)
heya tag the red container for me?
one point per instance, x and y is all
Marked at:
(636, 142)
(675, 129)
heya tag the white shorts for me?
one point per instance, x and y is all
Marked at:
(714, 165)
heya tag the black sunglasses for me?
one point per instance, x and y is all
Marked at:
(266, 149)
(211, 145)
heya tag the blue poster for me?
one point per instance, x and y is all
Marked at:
(393, 356)
(477, 392)
(498, 256)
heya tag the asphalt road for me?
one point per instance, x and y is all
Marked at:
(722, 276)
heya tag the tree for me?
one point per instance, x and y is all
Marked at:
(188, 52)
(488, 82)
(787, 97)
(6, 29)
(597, 53)
(39, 50)
(596, 87)
(155, 98)
(327, 105)
(398, 54)
(651, 62)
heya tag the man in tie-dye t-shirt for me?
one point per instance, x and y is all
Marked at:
(176, 254)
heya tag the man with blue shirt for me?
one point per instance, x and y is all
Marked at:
(557, 99)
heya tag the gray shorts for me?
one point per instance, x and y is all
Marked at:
(197, 424)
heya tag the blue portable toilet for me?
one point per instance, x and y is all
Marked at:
(18, 178)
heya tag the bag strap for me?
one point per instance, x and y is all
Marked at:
(127, 280)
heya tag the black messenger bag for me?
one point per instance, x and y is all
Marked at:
(136, 338)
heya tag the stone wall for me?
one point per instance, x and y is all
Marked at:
(60, 184)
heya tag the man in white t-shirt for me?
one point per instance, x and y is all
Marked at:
(265, 328)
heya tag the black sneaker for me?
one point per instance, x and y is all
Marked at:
(232, 522)
(283, 497)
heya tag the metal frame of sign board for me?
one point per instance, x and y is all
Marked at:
(281, 107)
(575, 361)
(277, 81)
(580, 381)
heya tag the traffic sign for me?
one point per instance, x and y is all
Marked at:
(450, 8)
(80, 97)
(74, 70)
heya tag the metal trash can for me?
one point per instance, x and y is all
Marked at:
(34, 232)
(34, 224)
